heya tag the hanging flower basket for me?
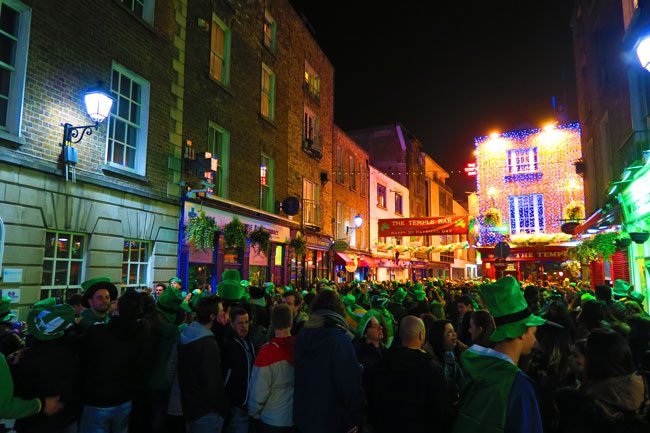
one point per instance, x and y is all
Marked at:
(260, 239)
(574, 211)
(299, 245)
(234, 234)
(492, 217)
(639, 237)
(623, 240)
(200, 232)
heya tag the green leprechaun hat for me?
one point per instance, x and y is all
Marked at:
(91, 286)
(505, 301)
(365, 320)
(230, 289)
(169, 303)
(399, 296)
(5, 310)
(47, 321)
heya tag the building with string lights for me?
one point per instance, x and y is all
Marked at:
(528, 189)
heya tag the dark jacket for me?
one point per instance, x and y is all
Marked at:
(407, 393)
(237, 367)
(370, 357)
(397, 310)
(49, 368)
(111, 362)
(199, 373)
(164, 339)
(328, 396)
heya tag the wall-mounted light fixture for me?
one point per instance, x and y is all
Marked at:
(358, 221)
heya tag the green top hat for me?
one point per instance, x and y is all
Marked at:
(49, 322)
(230, 289)
(506, 303)
(621, 288)
(169, 303)
(365, 320)
(95, 284)
(5, 310)
(399, 296)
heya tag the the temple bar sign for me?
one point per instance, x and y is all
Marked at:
(449, 225)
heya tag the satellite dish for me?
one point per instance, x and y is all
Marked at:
(291, 206)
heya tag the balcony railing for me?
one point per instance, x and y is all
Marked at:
(631, 150)
(311, 214)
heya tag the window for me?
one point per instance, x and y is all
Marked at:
(219, 144)
(362, 178)
(268, 93)
(398, 204)
(270, 28)
(15, 20)
(522, 160)
(135, 263)
(310, 209)
(353, 172)
(2, 241)
(340, 175)
(312, 80)
(526, 213)
(141, 8)
(63, 261)
(266, 183)
(340, 220)
(220, 51)
(310, 127)
(127, 131)
(381, 196)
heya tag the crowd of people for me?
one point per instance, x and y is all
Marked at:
(418, 356)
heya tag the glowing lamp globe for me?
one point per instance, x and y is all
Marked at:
(358, 221)
(98, 105)
(643, 52)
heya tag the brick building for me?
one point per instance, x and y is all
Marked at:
(120, 217)
(350, 179)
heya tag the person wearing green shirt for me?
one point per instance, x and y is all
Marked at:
(98, 295)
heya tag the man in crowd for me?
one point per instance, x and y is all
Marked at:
(98, 295)
(465, 308)
(203, 396)
(498, 396)
(271, 389)
(238, 357)
(424, 407)
(293, 299)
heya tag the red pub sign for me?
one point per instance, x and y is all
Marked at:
(448, 225)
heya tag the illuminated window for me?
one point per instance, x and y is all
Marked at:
(141, 8)
(63, 262)
(310, 127)
(266, 183)
(526, 213)
(312, 80)
(398, 204)
(135, 263)
(219, 145)
(220, 51)
(381, 196)
(268, 93)
(522, 160)
(270, 28)
(15, 20)
(127, 130)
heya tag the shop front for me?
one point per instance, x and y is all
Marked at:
(317, 263)
(203, 268)
(530, 264)
(635, 202)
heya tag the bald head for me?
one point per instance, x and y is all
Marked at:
(412, 332)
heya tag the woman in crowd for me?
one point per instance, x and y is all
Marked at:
(447, 350)
(481, 327)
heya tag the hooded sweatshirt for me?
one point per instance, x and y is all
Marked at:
(199, 373)
(328, 396)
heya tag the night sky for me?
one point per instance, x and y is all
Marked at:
(448, 71)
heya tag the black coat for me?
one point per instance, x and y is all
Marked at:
(112, 361)
(237, 367)
(407, 393)
(49, 368)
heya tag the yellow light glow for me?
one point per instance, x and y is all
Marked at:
(492, 191)
(494, 135)
(475, 152)
(551, 137)
(549, 126)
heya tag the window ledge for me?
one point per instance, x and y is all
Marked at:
(144, 23)
(267, 120)
(273, 51)
(223, 86)
(11, 140)
(111, 170)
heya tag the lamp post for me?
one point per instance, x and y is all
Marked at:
(643, 52)
(98, 107)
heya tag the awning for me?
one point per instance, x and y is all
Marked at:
(343, 259)
(367, 262)
(589, 222)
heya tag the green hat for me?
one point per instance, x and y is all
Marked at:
(245, 283)
(399, 296)
(506, 303)
(587, 297)
(5, 310)
(269, 287)
(365, 320)
(348, 300)
(91, 286)
(621, 288)
(175, 280)
(230, 289)
(49, 322)
(637, 296)
(169, 303)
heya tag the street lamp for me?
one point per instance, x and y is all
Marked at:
(98, 108)
(643, 52)
(358, 220)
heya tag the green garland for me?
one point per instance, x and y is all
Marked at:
(200, 232)
(234, 234)
(260, 239)
(602, 245)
